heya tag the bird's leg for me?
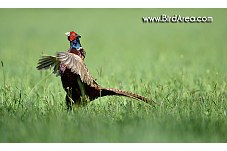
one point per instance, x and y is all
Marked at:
(82, 91)
(69, 103)
(68, 98)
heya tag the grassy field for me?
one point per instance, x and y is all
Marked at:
(180, 65)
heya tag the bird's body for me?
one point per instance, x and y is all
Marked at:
(76, 80)
(81, 53)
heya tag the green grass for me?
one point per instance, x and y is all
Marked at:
(181, 66)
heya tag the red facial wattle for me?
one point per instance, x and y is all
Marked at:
(72, 36)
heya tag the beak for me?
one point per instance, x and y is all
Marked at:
(67, 33)
(78, 36)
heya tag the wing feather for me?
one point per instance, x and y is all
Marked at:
(71, 61)
(47, 62)
(76, 65)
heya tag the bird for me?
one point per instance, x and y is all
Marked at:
(76, 79)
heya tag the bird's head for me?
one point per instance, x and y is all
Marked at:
(73, 37)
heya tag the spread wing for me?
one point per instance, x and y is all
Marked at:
(77, 66)
(47, 62)
(71, 61)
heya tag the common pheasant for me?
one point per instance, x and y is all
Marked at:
(77, 81)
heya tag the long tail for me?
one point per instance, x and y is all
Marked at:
(111, 91)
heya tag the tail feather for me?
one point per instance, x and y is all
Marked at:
(111, 91)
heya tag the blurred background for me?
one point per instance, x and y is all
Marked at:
(182, 65)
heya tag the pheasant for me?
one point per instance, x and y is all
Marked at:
(76, 79)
